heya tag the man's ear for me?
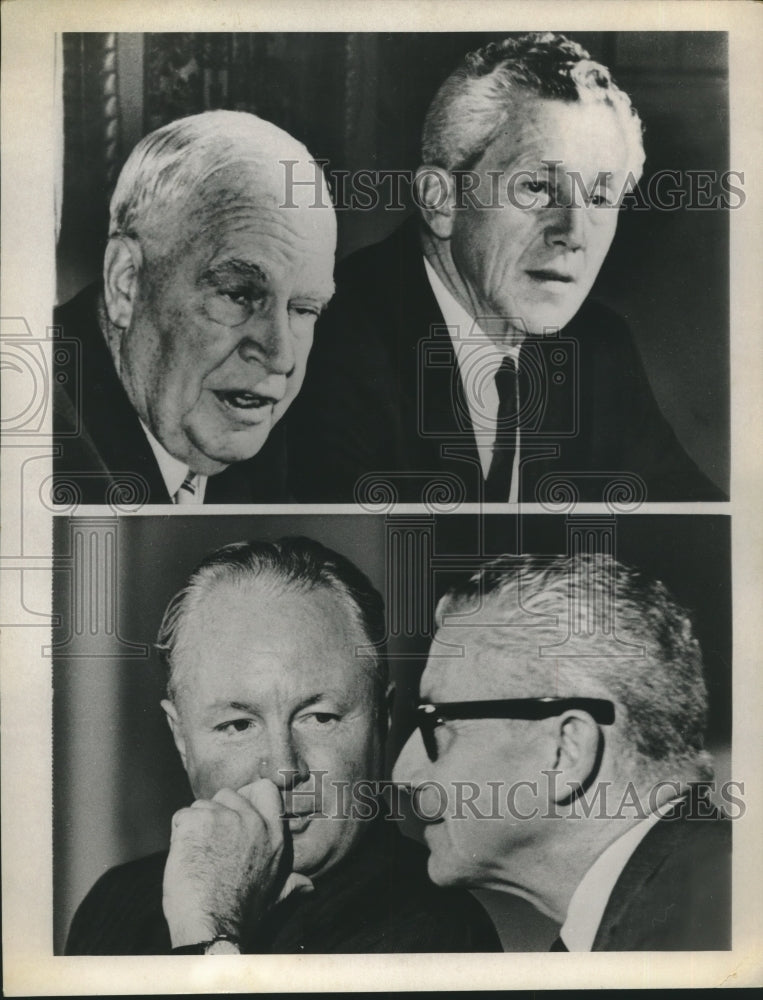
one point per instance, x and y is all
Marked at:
(578, 753)
(121, 267)
(435, 194)
(173, 719)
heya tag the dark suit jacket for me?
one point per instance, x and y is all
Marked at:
(102, 454)
(383, 401)
(378, 899)
(674, 894)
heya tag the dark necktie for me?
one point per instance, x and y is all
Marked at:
(558, 945)
(498, 482)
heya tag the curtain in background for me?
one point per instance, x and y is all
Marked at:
(119, 87)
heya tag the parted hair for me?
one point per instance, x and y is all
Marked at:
(472, 105)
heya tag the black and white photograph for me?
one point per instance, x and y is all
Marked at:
(441, 323)
(531, 290)
(287, 681)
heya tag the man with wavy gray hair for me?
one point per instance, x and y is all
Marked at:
(559, 755)
(195, 343)
(463, 349)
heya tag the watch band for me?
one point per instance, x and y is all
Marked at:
(222, 944)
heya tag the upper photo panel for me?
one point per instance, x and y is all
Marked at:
(364, 268)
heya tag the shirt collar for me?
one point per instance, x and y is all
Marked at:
(590, 898)
(172, 469)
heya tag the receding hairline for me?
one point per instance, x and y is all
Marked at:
(266, 580)
(529, 603)
(644, 655)
(163, 165)
(511, 660)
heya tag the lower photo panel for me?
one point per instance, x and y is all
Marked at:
(404, 733)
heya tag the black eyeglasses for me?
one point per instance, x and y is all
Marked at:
(429, 717)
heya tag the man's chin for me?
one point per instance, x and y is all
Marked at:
(539, 321)
(311, 863)
(211, 457)
(544, 324)
(440, 874)
(315, 851)
(446, 867)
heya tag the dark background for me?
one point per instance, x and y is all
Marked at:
(117, 778)
(358, 101)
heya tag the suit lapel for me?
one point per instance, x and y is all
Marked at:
(107, 414)
(549, 384)
(548, 415)
(434, 389)
(665, 838)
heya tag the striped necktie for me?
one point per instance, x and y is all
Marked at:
(188, 488)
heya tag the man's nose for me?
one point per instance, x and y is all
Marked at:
(269, 341)
(281, 760)
(412, 762)
(566, 227)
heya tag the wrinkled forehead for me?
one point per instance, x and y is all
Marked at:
(575, 133)
(468, 663)
(287, 613)
(283, 181)
(253, 189)
(280, 632)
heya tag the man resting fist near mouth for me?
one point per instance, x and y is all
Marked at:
(228, 864)
(276, 698)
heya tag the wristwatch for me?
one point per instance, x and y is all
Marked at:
(223, 944)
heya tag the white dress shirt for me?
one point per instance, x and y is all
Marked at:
(478, 359)
(590, 898)
(173, 471)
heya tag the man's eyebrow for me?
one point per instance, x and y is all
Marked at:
(235, 269)
(237, 706)
(223, 704)
(521, 161)
(244, 270)
(315, 699)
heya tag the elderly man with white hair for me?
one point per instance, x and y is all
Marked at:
(196, 342)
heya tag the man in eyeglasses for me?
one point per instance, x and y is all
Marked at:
(558, 754)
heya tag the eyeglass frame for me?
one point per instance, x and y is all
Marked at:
(429, 715)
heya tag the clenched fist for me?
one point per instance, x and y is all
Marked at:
(225, 863)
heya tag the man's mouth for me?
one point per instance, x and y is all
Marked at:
(550, 274)
(298, 822)
(240, 399)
